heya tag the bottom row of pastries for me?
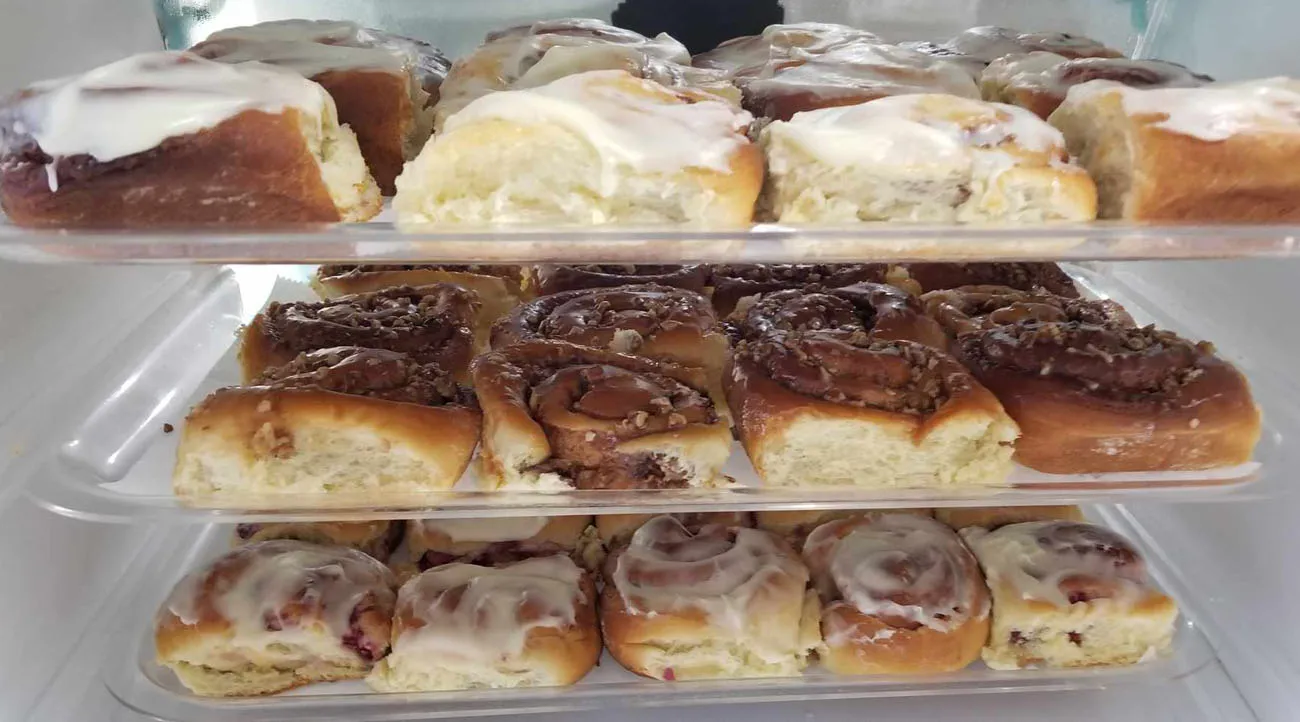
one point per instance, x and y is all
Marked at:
(532, 602)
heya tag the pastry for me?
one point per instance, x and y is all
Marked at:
(746, 56)
(460, 626)
(992, 517)
(795, 526)
(657, 322)
(133, 144)
(1021, 276)
(1039, 81)
(274, 615)
(384, 85)
(1095, 398)
(1223, 152)
(373, 424)
(730, 283)
(559, 416)
(933, 158)
(978, 308)
(554, 278)
(592, 148)
(433, 324)
(900, 594)
(975, 48)
(499, 288)
(722, 602)
(376, 538)
(822, 408)
(491, 542)
(869, 310)
(1067, 594)
(616, 530)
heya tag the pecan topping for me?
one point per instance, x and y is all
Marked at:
(732, 283)
(976, 308)
(1020, 276)
(852, 309)
(376, 373)
(555, 279)
(597, 317)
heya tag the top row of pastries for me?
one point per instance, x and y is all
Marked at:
(576, 121)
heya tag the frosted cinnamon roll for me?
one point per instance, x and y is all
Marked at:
(900, 594)
(171, 139)
(872, 310)
(975, 48)
(460, 626)
(274, 615)
(731, 283)
(722, 602)
(1021, 276)
(1069, 594)
(616, 530)
(747, 56)
(376, 538)
(795, 526)
(372, 425)
(1092, 398)
(817, 408)
(657, 322)
(562, 416)
(554, 279)
(1039, 81)
(978, 308)
(433, 324)
(499, 288)
(384, 85)
(491, 542)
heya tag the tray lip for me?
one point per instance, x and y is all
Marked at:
(132, 686)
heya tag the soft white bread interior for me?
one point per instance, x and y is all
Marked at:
(592, 148)
(342, 168)
(932, 158)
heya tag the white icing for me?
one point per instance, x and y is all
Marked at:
(880, 69)
(134, 104)
(989, 43)
(859, 560)
(651, 131)
(749, 55)
(327, 581)
(485, 614)
(666, 569)
(486, 530)
(310, 47)
(1047, 72)
(1035, 558)
(1213, 112)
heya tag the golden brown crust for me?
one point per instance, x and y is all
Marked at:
(376, 104)
(901, 651)
(992, 517)
(253, 169)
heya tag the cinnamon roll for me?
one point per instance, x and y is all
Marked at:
(978, 308)
(818, 408)
(616, 530)
(944, 159)
(460, 626)
(730, 283)
(871, 310)
(135, 144)
(992, 517)
(499, 288)
(1068, 594)
(747, 56)
(274, 615)
(432, 324)
(1020, 276)
(384, 85)
(1222, 152)
(657, 322)
(900, 594)
(374, 424)
(795, 526)
(1096, 398)
(492, 542)
(975, 48)
(555, 279)
(722, 602)
(1039, 81)
(376, 538)
(564, 416)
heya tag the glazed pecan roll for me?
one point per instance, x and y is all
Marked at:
(1039, 81)
(499, 287)
(1092, 398)
(433, 324)
(878, 310)
(566, 416)
(658, 322)
(1021, 276)
(976, 308)
(556, 279)
(732, 283)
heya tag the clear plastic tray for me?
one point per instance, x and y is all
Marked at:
(140, 683)
(111, 459)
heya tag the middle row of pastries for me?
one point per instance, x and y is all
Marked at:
(826, 379)
(532, 602)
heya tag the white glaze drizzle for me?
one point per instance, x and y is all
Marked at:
(134, 104)
(651, 130)
(328, 580)
(473, 613)
(749, 55)
(886, 69)
(311, 47)
(1046, 72)
(988, 43)
(858, 560)
(1036, 557)
(1213, 112)
(486, 530)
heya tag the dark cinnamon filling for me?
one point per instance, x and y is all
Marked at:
(594, 317)
(376, 373)
(1020, 276)
(854, 308)
(973, 308)
(341, 270)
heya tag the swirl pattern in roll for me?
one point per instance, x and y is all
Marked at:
(731, 283)
(658, 322)
(875, 310)
(559, 415)
(1021, 276)
(499, 287)
(718, 602)
(433, 324)
(979, 308)
(900, 594)
(559, 278)
(1092, 398)
(1068, 593)
(1040, 81)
